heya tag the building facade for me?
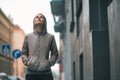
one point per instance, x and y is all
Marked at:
(17, 42)
(114, 39)
(6, 60)
(12, 35)
(91, 39)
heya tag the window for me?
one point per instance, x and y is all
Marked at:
(81, 66)
(74, 71)
(14, 35)
(78, 7)
(72, 12)
(78, 12)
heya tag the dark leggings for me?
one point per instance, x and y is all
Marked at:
(39, 77)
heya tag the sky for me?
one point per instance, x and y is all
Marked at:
(22, 13)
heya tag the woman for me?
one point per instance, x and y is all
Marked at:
(39, 51)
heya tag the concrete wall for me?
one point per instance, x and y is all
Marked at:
(87, 43)
(67, 45)
(94, 53)
(114, 37)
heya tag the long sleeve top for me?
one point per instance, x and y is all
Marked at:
(40, 57)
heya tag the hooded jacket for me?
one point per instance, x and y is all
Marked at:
(46, 56)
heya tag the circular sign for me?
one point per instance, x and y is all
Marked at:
(16, 53)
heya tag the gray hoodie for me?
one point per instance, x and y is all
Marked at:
(46, 56)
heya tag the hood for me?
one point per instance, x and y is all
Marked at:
(44, 27)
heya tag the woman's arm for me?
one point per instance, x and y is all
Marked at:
(54, 52)
(25, 51)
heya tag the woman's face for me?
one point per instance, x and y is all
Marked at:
(39, 19)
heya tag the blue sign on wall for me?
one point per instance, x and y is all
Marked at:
(16, 53)
(6, 48)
